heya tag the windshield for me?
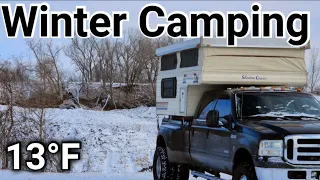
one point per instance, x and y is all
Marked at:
(276, 104)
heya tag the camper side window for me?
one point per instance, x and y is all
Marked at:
(169, 87)
(169, 62)
(189, 58)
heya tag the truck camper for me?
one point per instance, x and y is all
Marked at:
(235, 110)
(190, 68)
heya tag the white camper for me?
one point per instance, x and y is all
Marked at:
(190, 68)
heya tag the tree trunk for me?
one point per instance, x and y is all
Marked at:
(4, 159)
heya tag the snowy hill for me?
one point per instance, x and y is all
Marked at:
(118, 141)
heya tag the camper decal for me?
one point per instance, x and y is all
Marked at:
(162, 106)
(259, 78)
(184, 80)
(193, 78)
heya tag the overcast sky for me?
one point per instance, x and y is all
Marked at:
(17, 46)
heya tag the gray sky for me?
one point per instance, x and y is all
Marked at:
(17, 46)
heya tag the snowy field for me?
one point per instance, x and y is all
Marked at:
(113, 142)
(116, 144)
(118, 141)
(9, 175)
(4, 174)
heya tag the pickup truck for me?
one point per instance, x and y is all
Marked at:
(247, 133)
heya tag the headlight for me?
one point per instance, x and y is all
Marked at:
(271, 148)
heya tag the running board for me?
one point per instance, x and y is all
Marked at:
(204, 176)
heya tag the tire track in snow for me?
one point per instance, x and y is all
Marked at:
(109, 162)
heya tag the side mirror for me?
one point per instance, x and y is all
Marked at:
(212, 119)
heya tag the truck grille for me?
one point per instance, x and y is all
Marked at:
(302, 149)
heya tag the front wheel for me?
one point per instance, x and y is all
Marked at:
(244, 171)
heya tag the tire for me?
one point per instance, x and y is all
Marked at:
(163, 170)
(179, 172)
(244, 169)
(160, 159)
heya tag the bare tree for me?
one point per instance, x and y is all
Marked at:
(129, 58)
(82, 53)
(46, 55)
(11, 76)
(314, 69)
(32, 124)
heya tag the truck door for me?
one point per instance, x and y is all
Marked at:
(197, 142)
(199, 130)
(218, 139)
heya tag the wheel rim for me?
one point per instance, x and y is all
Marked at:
(158, 168)
(243, 177)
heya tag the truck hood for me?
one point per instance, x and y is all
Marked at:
(283, 128)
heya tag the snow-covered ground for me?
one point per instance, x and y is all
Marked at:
(115, 144)
(5, 174)
(118, 141)
(10, 175)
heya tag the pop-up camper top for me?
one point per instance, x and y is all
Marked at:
(189, 68)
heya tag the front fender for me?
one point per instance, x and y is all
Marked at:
(247, 142)
(175, 142)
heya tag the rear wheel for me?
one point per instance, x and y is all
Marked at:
(163, 170)
(244, 171)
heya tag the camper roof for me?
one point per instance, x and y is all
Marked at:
(222, 42)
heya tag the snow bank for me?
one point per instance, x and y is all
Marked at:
(14, 175)
(117, 141)
(120, 141)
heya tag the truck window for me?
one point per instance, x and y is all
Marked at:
(169, 62)
(209, 107)
(189, 58)
(224, 107)
(169, 87)
(276, 104)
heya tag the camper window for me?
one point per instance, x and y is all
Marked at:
(169, 87)
(169, 62)
(189, 58)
